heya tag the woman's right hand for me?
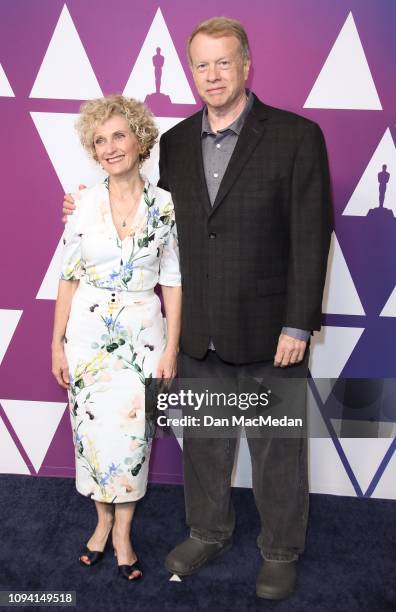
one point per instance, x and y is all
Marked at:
(60, 368)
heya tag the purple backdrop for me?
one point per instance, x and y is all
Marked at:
(290, 41)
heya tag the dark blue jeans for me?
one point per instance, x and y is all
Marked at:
(279, 471)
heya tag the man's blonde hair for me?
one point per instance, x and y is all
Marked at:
(222, 26)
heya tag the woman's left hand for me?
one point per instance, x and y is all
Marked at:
(167, 366)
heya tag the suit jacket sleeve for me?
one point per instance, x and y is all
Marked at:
(310, 227)
(163, 165)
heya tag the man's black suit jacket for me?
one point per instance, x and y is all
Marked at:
(256, 260)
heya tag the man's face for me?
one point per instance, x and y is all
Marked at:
(218, 69)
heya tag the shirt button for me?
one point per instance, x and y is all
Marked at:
(113, 295)
(112, 299)
(212, 235)
(215, 174)
(218, 146)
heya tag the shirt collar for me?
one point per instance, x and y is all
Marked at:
(236, 126)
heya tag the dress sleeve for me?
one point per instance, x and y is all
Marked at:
(72, 264)
(169, 264)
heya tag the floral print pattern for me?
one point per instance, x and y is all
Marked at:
(115, 336)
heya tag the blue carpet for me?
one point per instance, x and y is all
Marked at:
(349, 564)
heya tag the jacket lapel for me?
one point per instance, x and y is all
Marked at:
(197, 174)
(249, 137)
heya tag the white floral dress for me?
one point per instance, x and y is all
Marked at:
(115, 336)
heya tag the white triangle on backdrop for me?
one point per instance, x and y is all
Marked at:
(385, 488)
(66, 72)
(70, 161)
(9, 320)
(326, 470)
(174, 82)
(174, 413)
(331, 349)
(389, 310)
(73, 167)
(49, 287)
(340, 295)
(364, 456)
(368, 428)
(242, 471)
(345, 79)
(366, 191)
(5, 87)
(11, 461)
(150, 166)
(35, 424)
(324, 387)
(316, 426)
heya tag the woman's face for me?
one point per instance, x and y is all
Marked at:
(117, 148)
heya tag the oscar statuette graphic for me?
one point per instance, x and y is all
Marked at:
(158, 99)
(381, 211)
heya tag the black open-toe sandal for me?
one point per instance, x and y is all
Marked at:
(126, 570)
(94, 556)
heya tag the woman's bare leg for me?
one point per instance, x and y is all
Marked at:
(98, 539)
(121, 536)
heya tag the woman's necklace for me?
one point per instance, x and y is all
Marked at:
(120, 215)
(123, 219)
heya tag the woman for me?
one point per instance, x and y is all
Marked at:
(109, 333)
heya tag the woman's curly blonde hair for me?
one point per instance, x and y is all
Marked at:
(138, 116)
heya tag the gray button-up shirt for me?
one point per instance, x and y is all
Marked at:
(217, 149)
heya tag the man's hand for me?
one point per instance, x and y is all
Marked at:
(68, 204)
(289, 351)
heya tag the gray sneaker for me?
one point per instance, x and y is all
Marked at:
(189, 556)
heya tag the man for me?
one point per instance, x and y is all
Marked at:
(251, 191)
